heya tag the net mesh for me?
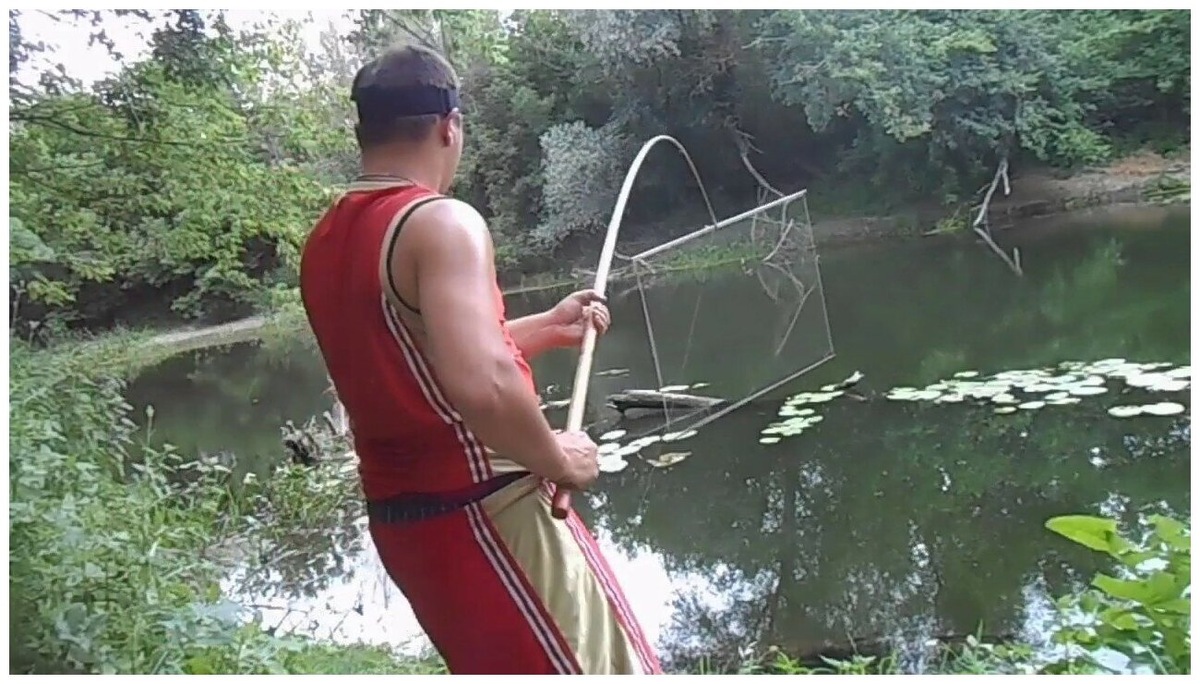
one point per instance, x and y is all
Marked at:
(721, 336)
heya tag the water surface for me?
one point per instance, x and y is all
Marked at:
(889, 519)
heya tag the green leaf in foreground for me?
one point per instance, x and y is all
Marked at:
(1099, 534)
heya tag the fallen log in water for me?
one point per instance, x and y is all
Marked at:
(656, 400)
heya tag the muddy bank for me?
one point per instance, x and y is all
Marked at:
(1034, 194)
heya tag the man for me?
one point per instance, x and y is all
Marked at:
(456, 458)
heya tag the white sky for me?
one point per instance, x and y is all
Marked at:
(68, 39)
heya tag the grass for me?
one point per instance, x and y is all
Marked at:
(111, 539)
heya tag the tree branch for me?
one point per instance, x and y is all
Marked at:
(985, 232)
(48, 121)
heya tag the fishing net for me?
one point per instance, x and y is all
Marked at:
(704, 362)
(748, 322)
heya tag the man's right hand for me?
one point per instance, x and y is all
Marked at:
(580, 468)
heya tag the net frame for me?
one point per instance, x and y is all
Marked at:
(783, 203)
(561, 500)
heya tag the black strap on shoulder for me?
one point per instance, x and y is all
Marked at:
(392, 248)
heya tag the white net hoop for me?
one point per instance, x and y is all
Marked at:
(788, 246)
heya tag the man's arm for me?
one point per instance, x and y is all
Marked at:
(455, 279)
(534, 334)
(561, 326)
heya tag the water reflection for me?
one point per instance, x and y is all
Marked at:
(834, 537)
(352, 600)
(889, 520)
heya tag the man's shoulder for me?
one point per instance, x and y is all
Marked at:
(449, 219)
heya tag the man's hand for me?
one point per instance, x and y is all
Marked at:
(568, 320)
(580, 467)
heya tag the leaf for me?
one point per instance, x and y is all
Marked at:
(1173, 532)
(669, 459)
(1158, 588)
(1098, 534)
(1181, 606)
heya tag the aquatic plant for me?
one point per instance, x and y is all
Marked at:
(1142, 613)
(1011, 391)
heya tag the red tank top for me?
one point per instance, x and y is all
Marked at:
(408, 437)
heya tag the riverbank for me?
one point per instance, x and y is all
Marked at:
(110, 536)
(1135, 179)
(104, 515)
(1140, 178)
(97, 511)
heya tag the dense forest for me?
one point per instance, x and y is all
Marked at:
(197, 171)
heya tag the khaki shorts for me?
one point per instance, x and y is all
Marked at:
(501, 587)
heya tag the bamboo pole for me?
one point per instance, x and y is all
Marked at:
(561, 502)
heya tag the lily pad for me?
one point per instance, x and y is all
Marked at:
(1166, 408)
(612, 465)
(1006, 409)
(1169, 385)
(1030, 405)
(813, 397)
(1144, 380)
(627, 450)
(1086, 390)
(967, 374)
(673, 388)
(985, 391)
(769, 440)
(1181, 373)
(608, 448)
(669, 459)
(677, 436)
(1063, 401)
(611, 435)
(854, 377)
(1125, 411)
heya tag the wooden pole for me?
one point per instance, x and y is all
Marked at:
(561, 502)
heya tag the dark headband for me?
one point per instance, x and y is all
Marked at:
(381, 102)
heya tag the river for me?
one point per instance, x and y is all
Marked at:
(907, 520)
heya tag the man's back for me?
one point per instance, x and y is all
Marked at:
(410, 322)
(407, 435)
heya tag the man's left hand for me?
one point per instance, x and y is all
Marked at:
(570, 317)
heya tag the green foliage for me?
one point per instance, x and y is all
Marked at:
(949, 90)
(191, 177)
(581, 181)
(111, 541)
(1143, 611)
(158, 179)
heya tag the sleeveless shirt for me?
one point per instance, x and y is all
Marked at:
(409, 439)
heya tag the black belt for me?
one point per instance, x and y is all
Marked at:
(407, 508)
